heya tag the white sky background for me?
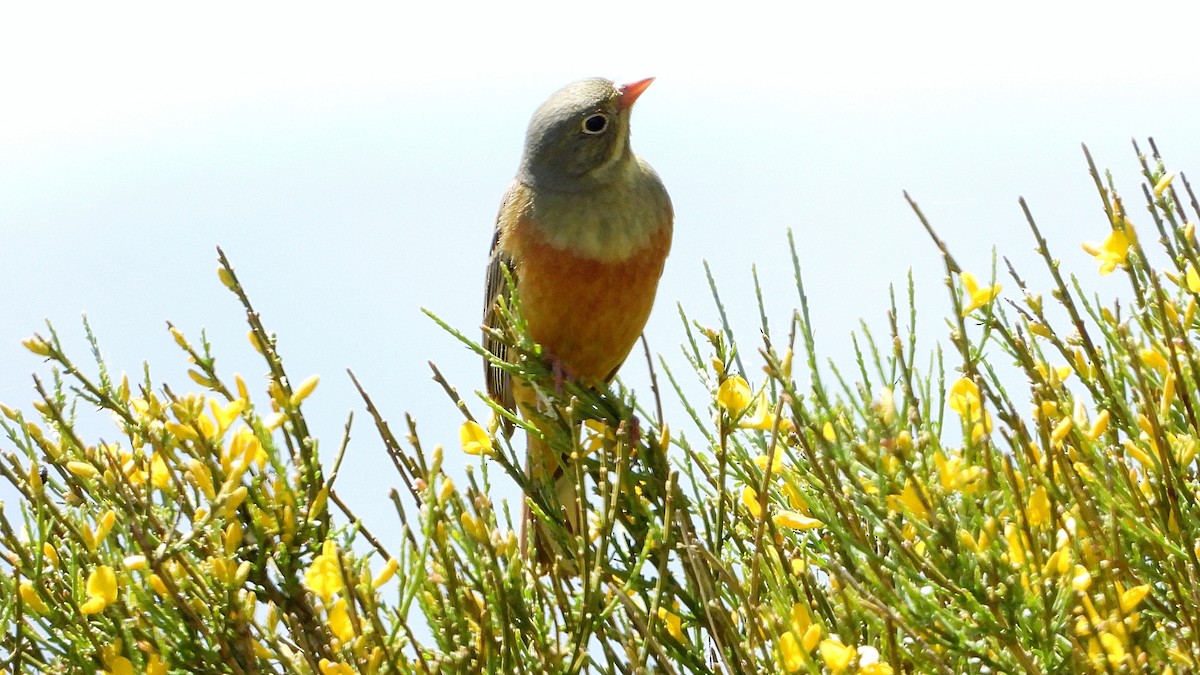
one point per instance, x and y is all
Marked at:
(350, 162)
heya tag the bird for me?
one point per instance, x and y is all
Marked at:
(582, 236)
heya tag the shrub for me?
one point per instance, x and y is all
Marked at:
(905, 518)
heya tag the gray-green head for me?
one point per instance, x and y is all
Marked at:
(579, 137)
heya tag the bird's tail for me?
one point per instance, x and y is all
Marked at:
(545, 466)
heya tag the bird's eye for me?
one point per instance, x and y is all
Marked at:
(595, 124)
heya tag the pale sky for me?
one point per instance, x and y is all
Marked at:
(350, 161)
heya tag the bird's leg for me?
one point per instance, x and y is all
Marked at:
(561, 375)
(635, 430)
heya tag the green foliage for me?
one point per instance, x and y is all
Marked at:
(1024, 502)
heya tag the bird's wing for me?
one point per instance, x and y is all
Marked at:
(499, 382)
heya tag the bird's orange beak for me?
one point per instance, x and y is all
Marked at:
(630, 92)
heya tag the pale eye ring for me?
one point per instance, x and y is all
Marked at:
(595, 123)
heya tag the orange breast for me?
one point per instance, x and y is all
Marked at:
(586, 313)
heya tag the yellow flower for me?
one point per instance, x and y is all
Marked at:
(750, 499)
(339, 621)
(1113, 250)
(1131, 598)
(796, 521)
(792, 657)
(246, 447)
(1192, 278)
(1154, 359)
(1016, 545)
(32, 600)
(734, 395)
(828, 432)
(160, 475)
(1038, 511)
(763, 417)
(333, 668)
(802, 625)
(836, 655)
(595, 435)
(975, 295)
(475, 441)
(82, 469)
(386, 574)
(1114, 648)
(101, 590)
(324, 575)
(964, 399)
(776, 465)
(869, 663)
(1082, 579)
(909, 499)
(302, 392)
(159, 586)
(956, 475)
(673, 623)
(156, 666)
(1163, 183)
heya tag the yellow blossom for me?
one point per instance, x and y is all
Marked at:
(134, 562)
(156, 582)
(474, 527)
(304, 390)
(1192, 279)
(1081, 579)
(1154, 359)
(836, 655)
(339, 621)
(869, 663)
(324, 576)
(1113, 250)
(734, 395)
(333, 668)
(226, 415)
(160, 475)
(101, 590)
(37, 345)
(750, 499)
(965, 400)
(1163, 183)
(1099, 426)
(156, 666)
(475, 441)
(386, 574)
(795, 499)
(1114, 648)
(909, 499)
(50, 553)
(800, 618)
(1016, 545)
(32, 600)
(976, 296)
(1132, 597)
(1052, 374)
(956, 475)
(82, 469)
(104, 526)
(791, 657)
(828, 432)
(763, 418)
(673, 623)
(796, 521)
(1038, 511)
